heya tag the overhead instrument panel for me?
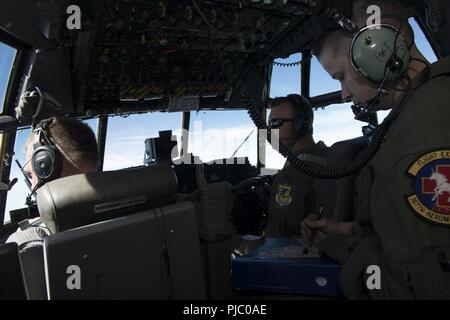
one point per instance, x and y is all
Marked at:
(147, 49)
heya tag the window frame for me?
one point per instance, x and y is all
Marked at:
(7, 140)
(428, 36)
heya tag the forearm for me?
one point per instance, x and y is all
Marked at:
(349, 228)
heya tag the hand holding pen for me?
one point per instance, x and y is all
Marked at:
(314, 232)
(317, 227)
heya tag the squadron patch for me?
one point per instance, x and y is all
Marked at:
(284, 195)
(432, 187)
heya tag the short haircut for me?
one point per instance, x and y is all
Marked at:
(276, 102)
(359, 18)
(337, 37)
(300, 109)
(74, 139)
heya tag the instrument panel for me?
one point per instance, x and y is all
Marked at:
(149, 49)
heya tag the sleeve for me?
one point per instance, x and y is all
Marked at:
(30, 234)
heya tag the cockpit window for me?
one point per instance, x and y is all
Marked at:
(336, 122)
(93, 124)
(286, 76)
(17, 195)
(7, 55)
(286, 79)
(321, 81)
(217, 135)
(125, 140)
(422, 42)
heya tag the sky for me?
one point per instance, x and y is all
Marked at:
(214, 134)
(7, 55)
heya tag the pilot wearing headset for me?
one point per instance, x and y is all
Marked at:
(58, 147)
(399, 245)
(292, 194)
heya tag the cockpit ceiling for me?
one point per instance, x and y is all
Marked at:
(147, 49)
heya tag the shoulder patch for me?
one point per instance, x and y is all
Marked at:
(431, 185)
(284, 195)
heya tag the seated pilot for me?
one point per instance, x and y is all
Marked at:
(58, 147)
(293, 195)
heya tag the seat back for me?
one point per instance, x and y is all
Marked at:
(120, 235)
(154, 254)
(11, 280)
(33, 270)
(214, 206)
(337, 195)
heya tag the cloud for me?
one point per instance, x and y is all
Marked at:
(335, 124)
(124, 155)
(127, 151)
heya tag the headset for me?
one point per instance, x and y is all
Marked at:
(46, 160)
(303, 120)
(380, 53)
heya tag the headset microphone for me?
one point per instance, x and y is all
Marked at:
(28, 201)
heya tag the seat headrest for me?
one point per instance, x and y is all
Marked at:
(356, 143)
(344, 152)
(84, 199)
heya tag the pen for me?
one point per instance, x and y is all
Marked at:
(313, 234)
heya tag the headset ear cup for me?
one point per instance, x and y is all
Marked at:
(304, 119)
(372, 53)
(302, 126)
(46, 163)
(298, 126)
(307, 127)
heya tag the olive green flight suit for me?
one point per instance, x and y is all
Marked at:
(397, 202)
(292, 196)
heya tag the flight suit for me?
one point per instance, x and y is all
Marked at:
(292, 196)
(403, 203)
